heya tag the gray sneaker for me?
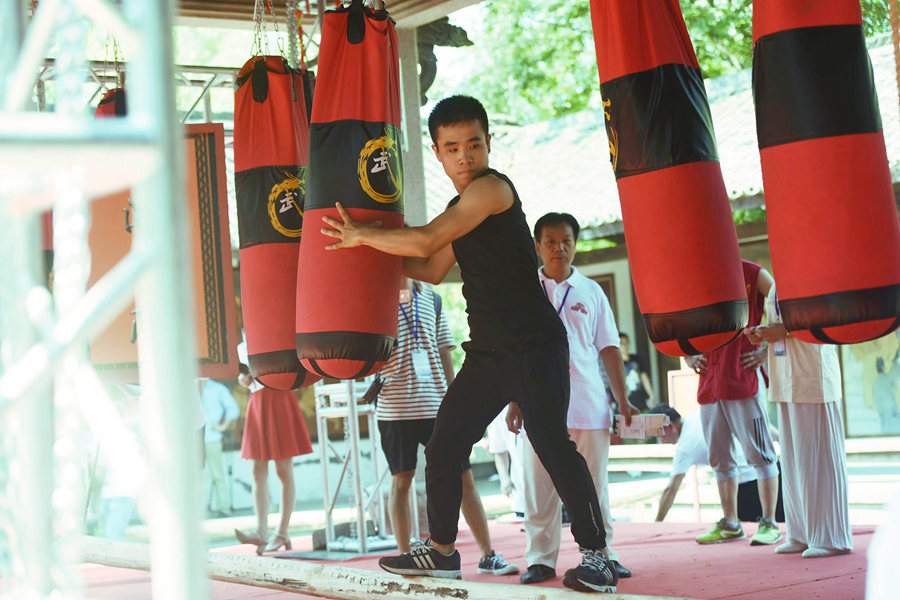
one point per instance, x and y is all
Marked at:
(596, 573)
(493, 564)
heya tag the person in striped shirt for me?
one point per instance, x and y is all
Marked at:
(415, 379)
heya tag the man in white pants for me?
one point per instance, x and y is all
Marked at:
(806, 385)
(593, 336)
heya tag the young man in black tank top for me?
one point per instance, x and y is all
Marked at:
(518, 349)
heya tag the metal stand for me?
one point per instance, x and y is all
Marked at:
(341, 401)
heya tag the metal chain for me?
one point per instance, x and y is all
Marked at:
(270, 8)
(260, 44)
(295, 12)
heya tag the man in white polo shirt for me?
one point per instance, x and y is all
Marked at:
(593, 336)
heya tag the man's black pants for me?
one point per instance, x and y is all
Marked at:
(538, 380)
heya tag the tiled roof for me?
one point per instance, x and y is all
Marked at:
(563, 164)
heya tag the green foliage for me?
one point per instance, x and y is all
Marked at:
(595, 244)
(722, 33)
(751, 215)
(535, 60)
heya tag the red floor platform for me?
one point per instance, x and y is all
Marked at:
(664, 558)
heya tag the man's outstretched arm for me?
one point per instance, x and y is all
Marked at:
(484, 197)
(668, 496)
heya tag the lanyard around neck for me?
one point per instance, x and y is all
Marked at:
(415, 330)
(566, 295)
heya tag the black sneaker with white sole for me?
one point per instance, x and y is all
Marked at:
(423, 559)
(596, 573)
(493, 564)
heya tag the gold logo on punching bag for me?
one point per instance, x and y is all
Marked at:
(285, 202)
(381, 156)
(611, 135)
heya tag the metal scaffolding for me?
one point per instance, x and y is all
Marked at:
(49, 393)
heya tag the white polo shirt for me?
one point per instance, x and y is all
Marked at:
(591, 327)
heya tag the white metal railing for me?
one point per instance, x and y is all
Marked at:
(59, 160)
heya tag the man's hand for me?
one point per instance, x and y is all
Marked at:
(347, 230)
(627, 410)
(697, 363)
(752, 334)
(514, 418)
(753, 358)
(767, 333)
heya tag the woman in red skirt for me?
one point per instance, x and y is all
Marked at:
(274, 429)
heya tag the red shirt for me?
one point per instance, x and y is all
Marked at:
(725, 378)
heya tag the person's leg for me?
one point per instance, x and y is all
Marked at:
(543, 513)
(400, 442)
(261, 496)
(285, 470)
(473, 513)
(544, 376)
(398, 508)
(216, 464)
(720, 442)
(791, 477)
(728, 497)
(750, 426)
(593, 444)
(827, 510)
(471, 403)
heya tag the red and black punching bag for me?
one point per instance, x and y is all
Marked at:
(347, 299)
(682, 245)
(832, 217)
(112, 104)
(271, 137)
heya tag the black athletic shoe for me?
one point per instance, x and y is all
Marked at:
(596, 573)
(423, 559)
(537, 573)
(624, 572)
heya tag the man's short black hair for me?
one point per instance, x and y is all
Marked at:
(456, 109)
(555, 218)
(665, 409)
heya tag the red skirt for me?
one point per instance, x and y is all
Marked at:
(274, 428)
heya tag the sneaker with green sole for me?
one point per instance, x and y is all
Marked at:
(767, 533)
(722, 532)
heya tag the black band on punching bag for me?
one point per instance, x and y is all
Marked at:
(278, 219)
(829, 65)
(266, 363)
(349, 345)
(703, 320)
(666, 108)
(840, 308)
(373, 181)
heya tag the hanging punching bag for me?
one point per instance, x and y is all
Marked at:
(271, 136)
(832, 217)
(347, 300)
(682, 245)
(112, 104)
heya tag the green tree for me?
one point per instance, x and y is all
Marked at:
(536, 60)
